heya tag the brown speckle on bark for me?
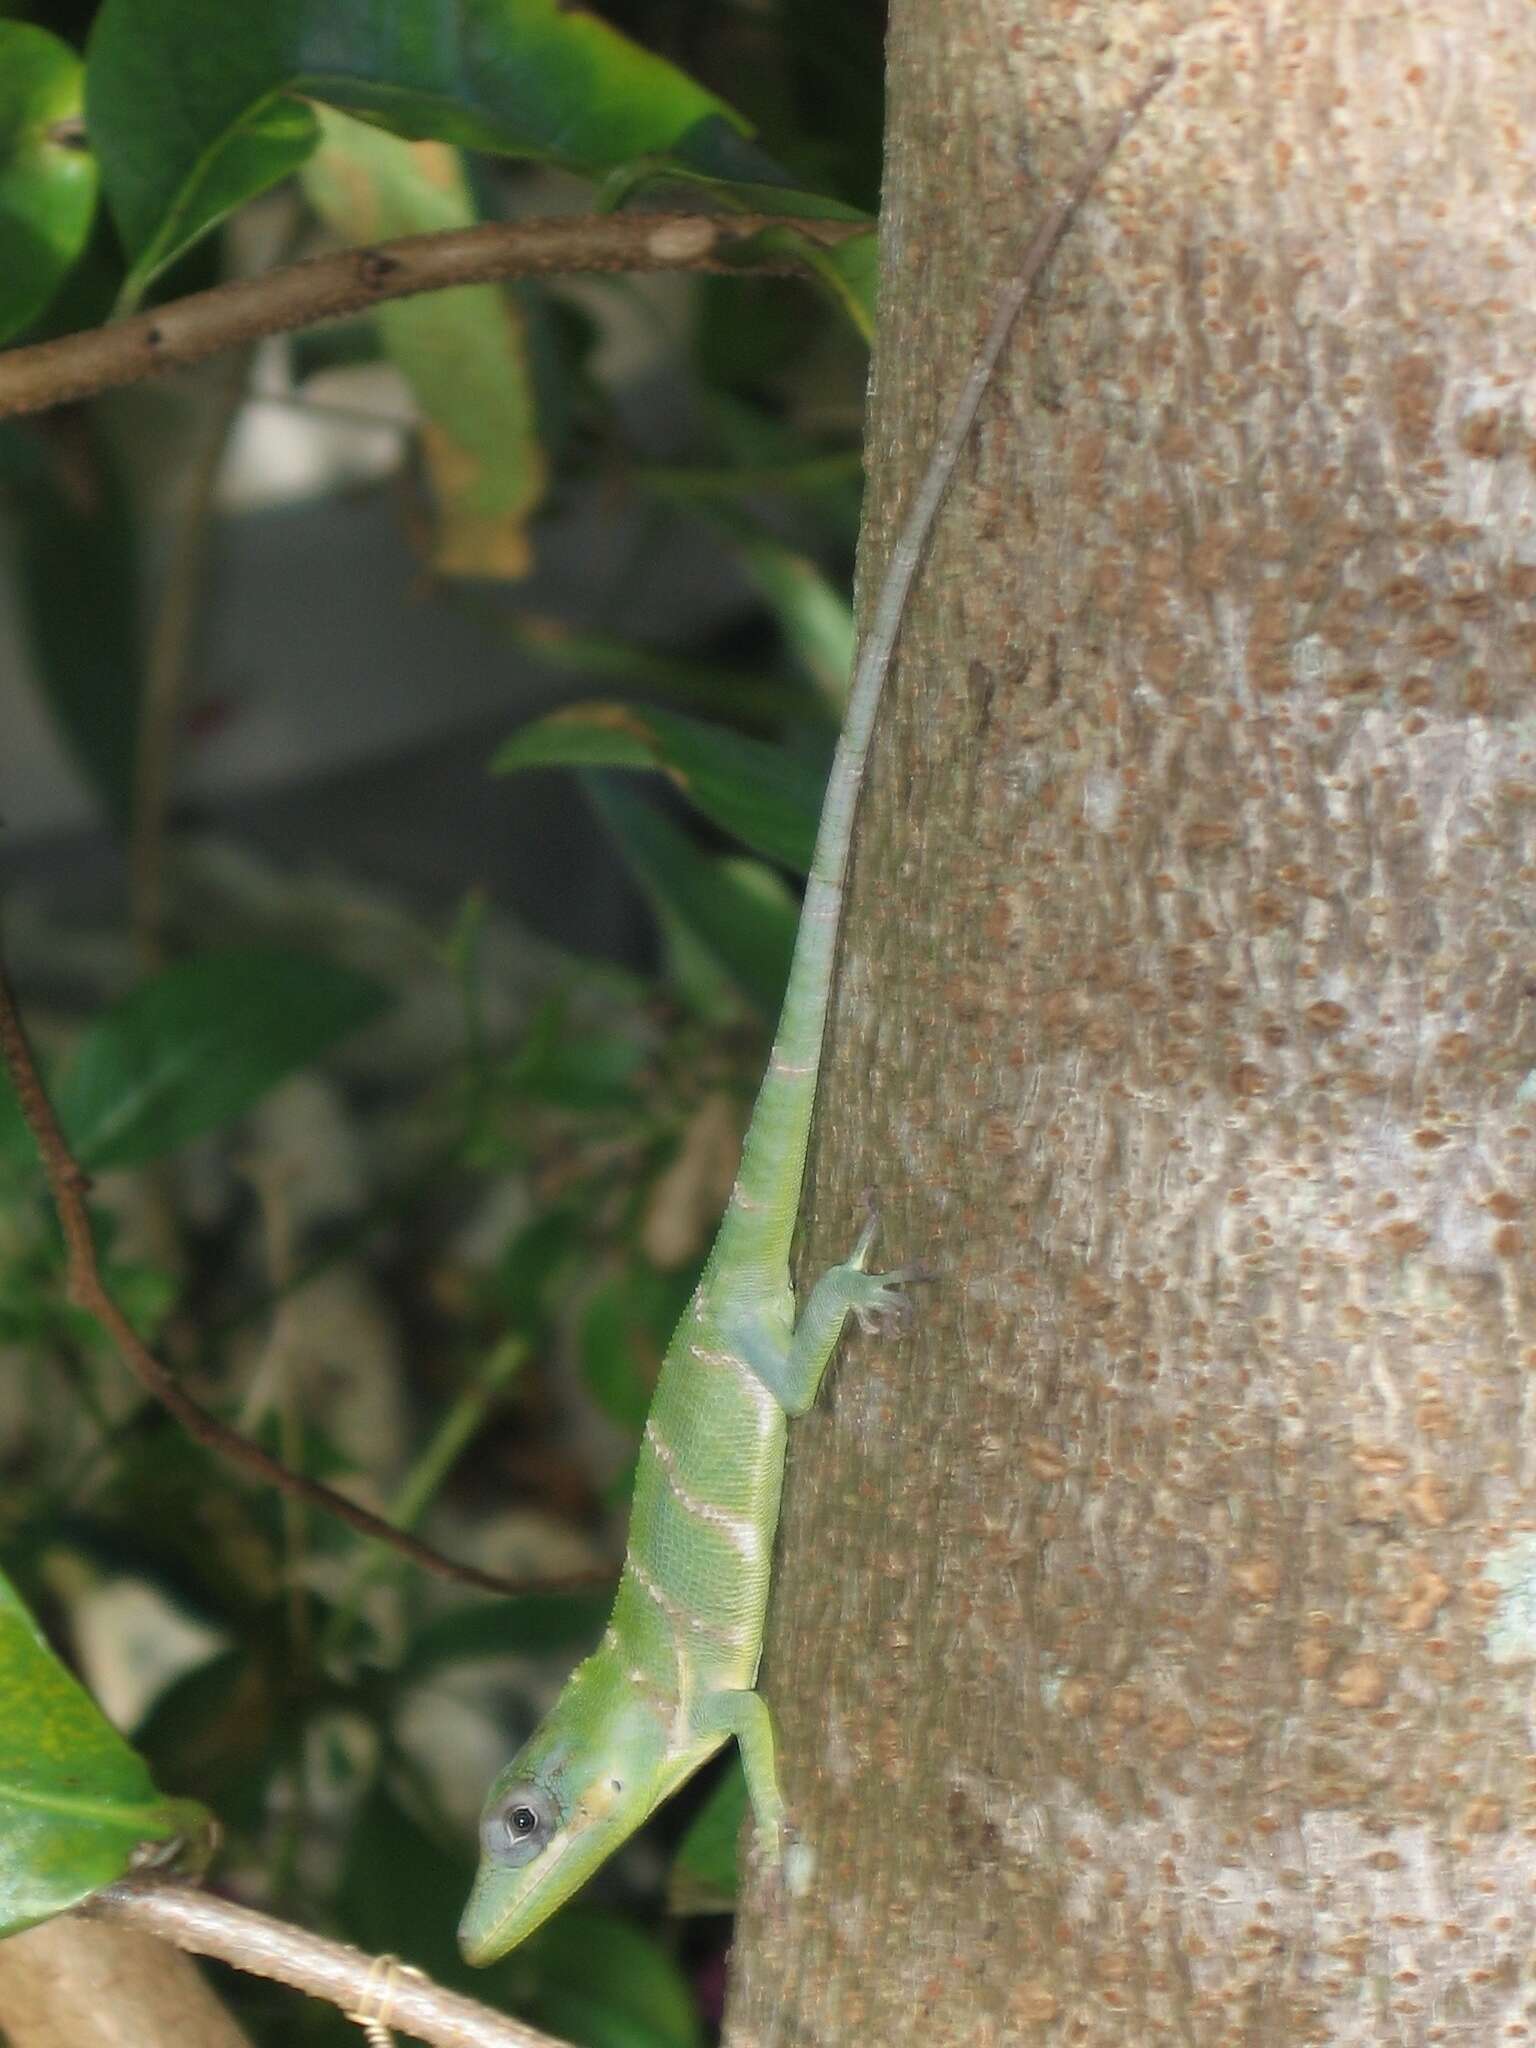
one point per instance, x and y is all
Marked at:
(1189, 1029)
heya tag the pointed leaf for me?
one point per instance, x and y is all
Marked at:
(589, 1976)
(752, 698)
(196, 1046)
(739, 912)
(47, 175)
(527, 1625)
(704, 1871)
(850, 272)
(761, 793)
(624, 1337)
(77, 575)
(619, 1358)
(463, 352)
(814, 617)
(76, 1803)
(176, 98)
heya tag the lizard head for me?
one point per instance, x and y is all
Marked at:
(581, 1784)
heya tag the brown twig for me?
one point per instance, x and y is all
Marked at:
(69, 1185)
(371, 1988)
(354, 280)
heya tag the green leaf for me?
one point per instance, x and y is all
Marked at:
(704, 1871)
(752, 698)
(528, 1276)
(196, 1046)
(76, 1803)
(47, 176)
(850, 272)
(624, 1335)
(258, 150)
(738, 912)
(765, 796)
(77, 575)
(527, 1625)
(814, 617)
(594, 1978)
(400, 1888)
(620, 1371)
(581, 1071)
(463, 352)
(226, 1728)
(181, 109)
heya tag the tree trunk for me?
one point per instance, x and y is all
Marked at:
(1152, 1650)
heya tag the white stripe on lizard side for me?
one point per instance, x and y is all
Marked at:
(705, 1356)
(682, 1670)
(678, 1616)
(762, 1398)
(740, 1530)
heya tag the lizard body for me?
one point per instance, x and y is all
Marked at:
(673, 1678)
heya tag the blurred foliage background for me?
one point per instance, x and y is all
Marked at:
(410, 1080)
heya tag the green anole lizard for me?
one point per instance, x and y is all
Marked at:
(673, 1678)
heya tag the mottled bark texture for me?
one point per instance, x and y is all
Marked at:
(1153, 1648)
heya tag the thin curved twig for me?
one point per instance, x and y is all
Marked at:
(355, 280)
(69, 1185)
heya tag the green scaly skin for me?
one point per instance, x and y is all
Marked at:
(672, 1679)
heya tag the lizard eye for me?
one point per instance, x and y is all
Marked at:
(517, 1826)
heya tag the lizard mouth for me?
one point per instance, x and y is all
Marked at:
(506, 1906)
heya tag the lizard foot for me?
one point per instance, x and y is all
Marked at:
(878, 1300)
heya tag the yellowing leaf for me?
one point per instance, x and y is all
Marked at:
(463, 352)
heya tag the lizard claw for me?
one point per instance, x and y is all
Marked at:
(880, 1301)
(866, 1238)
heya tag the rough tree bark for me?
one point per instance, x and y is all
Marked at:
(1154, 1640)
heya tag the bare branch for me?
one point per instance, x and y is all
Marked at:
(354, 280)
(367, 1988)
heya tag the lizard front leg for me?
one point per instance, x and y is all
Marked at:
(791, 1363)
(745, 1715)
